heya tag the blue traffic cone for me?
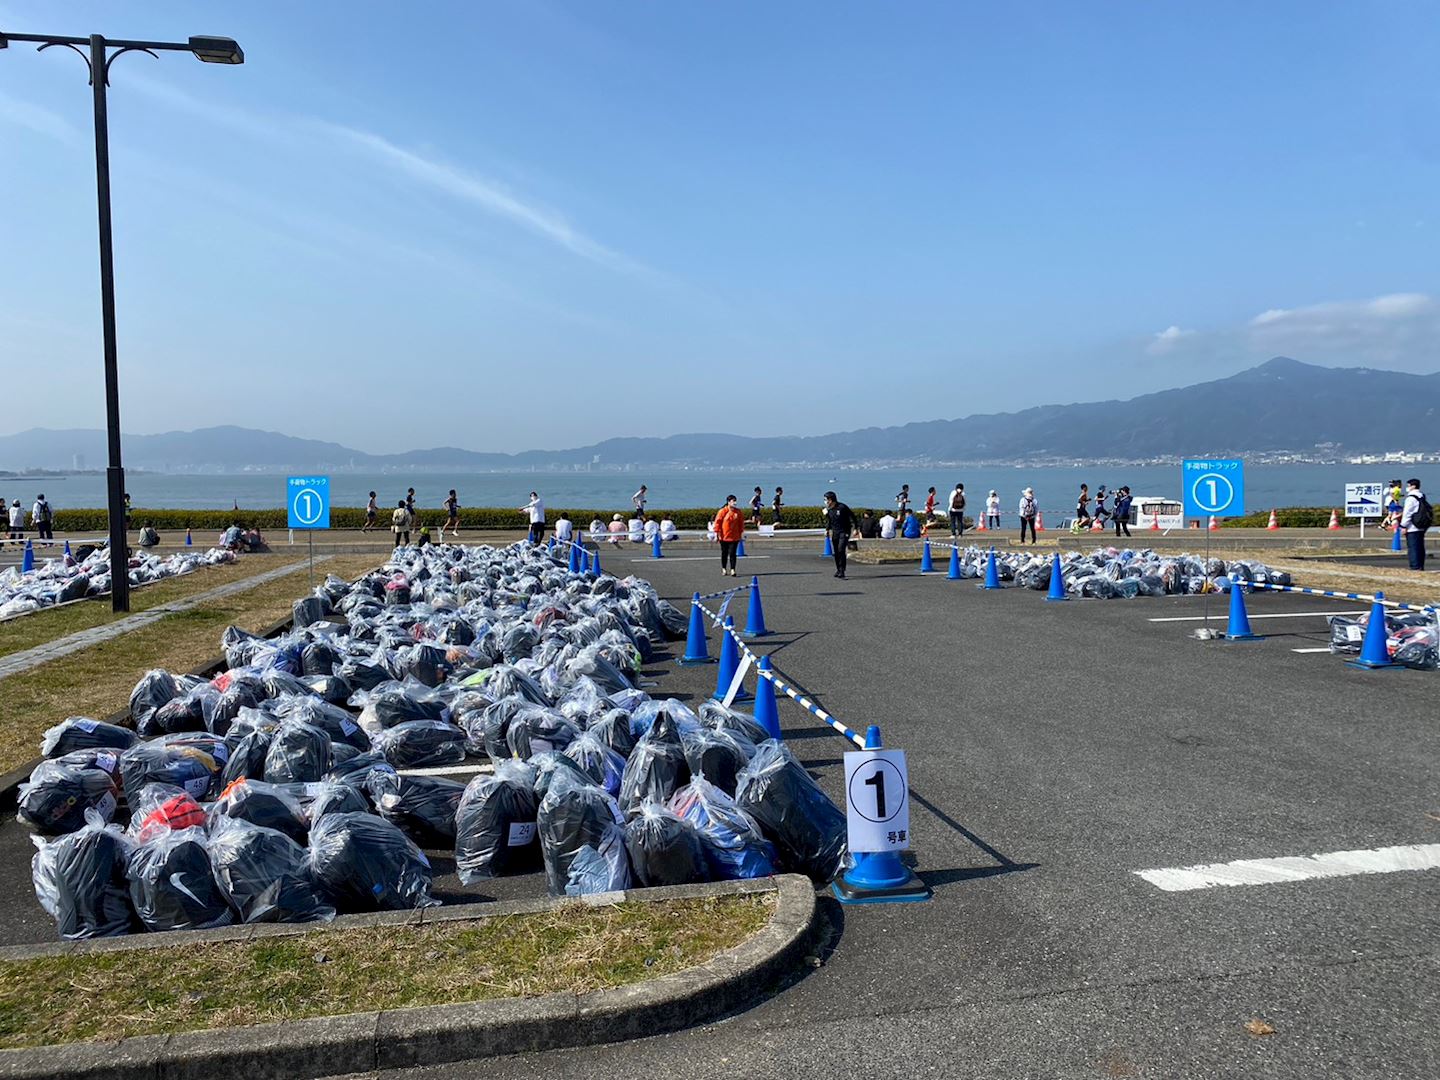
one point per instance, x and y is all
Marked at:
(595, 563)
(954, 574)
(729, 664)
(829, 552)
(1373, 651)
(1239, 626)
(879, 877)
(926, 565)
(992, 573)
(655, 552)
(574, 559)
(740, 548)
(1057, 580)
(696, 649)
(766, 713)
(584, 561)
(27, 562)
(189, 540)
(1396, 545)
(67, 549)
(550, 546)
(755, 616)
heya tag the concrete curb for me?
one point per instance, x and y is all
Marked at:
(432, 1035)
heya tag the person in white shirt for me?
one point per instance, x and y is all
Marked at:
(41, 517)
(17, 521)
(637, 531)
(638, 500)
(992, 510)
(597, 530)
(564, 529)
(668, 530)
(651, 531)
(535, 509)
(887, 527)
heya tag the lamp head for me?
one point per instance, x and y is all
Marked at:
(217, 50)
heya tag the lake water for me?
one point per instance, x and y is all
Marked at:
(1055, 486)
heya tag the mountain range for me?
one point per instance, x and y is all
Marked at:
(1281, 405)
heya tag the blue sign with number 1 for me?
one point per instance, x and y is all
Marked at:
(308, 501)
(1213, 487)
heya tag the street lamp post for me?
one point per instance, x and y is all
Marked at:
(211, 50)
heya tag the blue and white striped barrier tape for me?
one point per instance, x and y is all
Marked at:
(1334, 595)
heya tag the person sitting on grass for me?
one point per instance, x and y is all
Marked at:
(597, 530)
(617, 529)
(668, 530)
(424, 537)
(564, 528)
(148, 536)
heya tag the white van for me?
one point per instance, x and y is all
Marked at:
(1146, 510)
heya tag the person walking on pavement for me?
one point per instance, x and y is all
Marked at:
(17, 521)
(756, 501)
(839, 523)
(43, 517)
(452, 515)
(992, 510)
(638, 501)
(1416, 517)
(400, 522)
(1028, 510)
(729, 528)
(1122, 511)
(535, 511)
(372, 512)
(957, 512)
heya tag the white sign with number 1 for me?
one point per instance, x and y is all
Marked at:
(877, 800)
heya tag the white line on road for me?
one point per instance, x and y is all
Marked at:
(694, 558)
(1296, 868)
(1268, 615)
(1325, 649)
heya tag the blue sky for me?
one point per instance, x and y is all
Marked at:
(507, 225)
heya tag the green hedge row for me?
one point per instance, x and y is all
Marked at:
(1290, 517)
(350, 517)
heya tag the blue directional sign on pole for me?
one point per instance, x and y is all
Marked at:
(1213, 487)
(308, 501)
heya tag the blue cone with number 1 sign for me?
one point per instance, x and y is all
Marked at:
(877, 877)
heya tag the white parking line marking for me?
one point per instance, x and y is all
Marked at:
(448, 770)
(694, 558)
(1267, 615)
(1325, 649)
(1296, 868)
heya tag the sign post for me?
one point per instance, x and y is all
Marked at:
(1364, 501)
(1212, 487)
(877, 818)
(307, 503)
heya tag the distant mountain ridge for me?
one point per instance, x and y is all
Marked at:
(1281, 405)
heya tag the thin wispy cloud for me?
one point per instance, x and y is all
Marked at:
(38, 119)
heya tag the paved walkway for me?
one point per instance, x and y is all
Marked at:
(83, 639)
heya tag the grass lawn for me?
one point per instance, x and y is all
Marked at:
(575, 949)
(31, 630)
(97, 681)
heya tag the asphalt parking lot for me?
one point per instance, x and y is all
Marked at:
(1055, 750)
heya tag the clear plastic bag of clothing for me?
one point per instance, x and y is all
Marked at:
(664, 848)
(718, 756)
(613, 729)
(422, 806)
(604, 766)
(422, 744)
(535, 730)
(172, 884)
(299, 754)
(336, 722)
(363, 863)
(188, 767)
(599, 869)
(742, 725)
(735, 846)
(807, 829)
(495, 824)
(58, 796)
(154, 689)
(656, 768)
(80, 881)
(164, 808)
(82, 733)
(264, 874)
(263, 804)
(573, 815)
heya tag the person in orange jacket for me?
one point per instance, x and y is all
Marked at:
(729, 528)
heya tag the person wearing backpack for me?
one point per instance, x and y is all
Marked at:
(1416, 517)
(957, 512)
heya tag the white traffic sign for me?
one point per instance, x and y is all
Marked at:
(877, 800)
(1365, 500)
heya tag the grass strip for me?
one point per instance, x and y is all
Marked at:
(97, 681)
(574, 949)
(44, 626)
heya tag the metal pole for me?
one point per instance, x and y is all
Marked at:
(115, 472)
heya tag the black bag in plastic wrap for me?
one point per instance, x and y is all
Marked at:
(244, 692)
(423, 806)
(399, 704)
(318, 658)
(807, 829)
(187, 767)
(178, 714)
(363, 863)
(604, 766)
(311, 609)
(329, 688)
(717, 756)
(572, 816)
(172, 885)
(356, 771)
(333, 797)
(154, 689)
(491, 732)
(56, 797)
(299, 754)
(82, 733)
(80, 880)
(247, 760)
(263, 804)
(657, 767)
(362, 675)
(664, 849)
(735, 846)
(504, 680)
(535, 731)
(495, 824)
(422, 744)
(613, 729)
(336, 722)
(264, 874)
(741, 724)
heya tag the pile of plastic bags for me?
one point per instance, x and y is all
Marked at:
(1412, 638)
(58, 581)
(299, 782)
(1113, 573)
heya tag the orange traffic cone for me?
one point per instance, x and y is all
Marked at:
(1334, 525)
(1213, 526)
(1273, 523)
(1039, 521)
(1097, 526)
(980, 523)
(1155, 521)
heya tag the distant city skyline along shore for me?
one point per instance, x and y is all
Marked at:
(1055, 486)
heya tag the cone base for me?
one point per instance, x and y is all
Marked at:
(1373, 665)
(695, 661)
(992, 587)
(912, 891)
(1243, 637)
(755, 633)
(741, 696)
(1056, 599)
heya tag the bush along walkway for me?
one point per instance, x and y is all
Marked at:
(84, 639)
